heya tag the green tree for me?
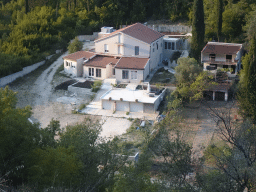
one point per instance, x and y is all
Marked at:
(250, 26)
(234, 20)
(187, 70)
(18, 138)
(198, 30)
(219, 17)
(246, 96)
(92, 151)
(75, 46)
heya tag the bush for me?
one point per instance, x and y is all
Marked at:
(127, 113)
(96, 86)
(82, 106)
(75, 46)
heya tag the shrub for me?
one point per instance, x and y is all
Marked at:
(82, 106)
(127, 113)
(96, 86)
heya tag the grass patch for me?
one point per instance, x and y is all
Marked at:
(162, 77)
(82, 106)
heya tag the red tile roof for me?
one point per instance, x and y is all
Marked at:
(138, 31)
(221, 48)
(132, 63)
(78, 55)
(102, 61)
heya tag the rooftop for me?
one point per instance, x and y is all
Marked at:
(78, 55)
(222, 48)
(130, 95)
(132, 63)
(102, 61)
(138, 31)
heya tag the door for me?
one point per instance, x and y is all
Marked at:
(122, 106)
(136, 107)
(149, 108)
(107, 105)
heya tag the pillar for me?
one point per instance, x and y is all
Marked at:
(213, 95)
(226, 96)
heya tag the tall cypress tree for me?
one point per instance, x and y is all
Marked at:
(198, 29)
(247, 85)
(219, 11)
(26, 6)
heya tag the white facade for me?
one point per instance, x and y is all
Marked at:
(75, 68)
(125, 45)
(95, 72)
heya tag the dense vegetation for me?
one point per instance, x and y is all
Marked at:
(33, 29)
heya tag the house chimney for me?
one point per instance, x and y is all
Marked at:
(149, 88)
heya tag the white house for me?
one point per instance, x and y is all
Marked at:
(73, 63)
(135, 40)
(216, 55)
(100, 67)
(128, 55)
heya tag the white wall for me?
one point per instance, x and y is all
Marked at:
(10, 78)
(111, 42)
(127, 45)
(155, 58)
(71, 68)
(86, 72)
(119, 79)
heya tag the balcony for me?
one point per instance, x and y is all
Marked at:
(121, 44)
(213, 61)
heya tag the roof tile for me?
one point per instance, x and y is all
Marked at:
(138, 31)
(78, 55)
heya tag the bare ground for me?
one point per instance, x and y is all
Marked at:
(37, 90)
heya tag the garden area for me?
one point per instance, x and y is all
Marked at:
(163, 77)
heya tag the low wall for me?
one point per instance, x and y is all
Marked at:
(80, 91)
(88, 37)
(26, 70)
(10, 78)
(168, 28)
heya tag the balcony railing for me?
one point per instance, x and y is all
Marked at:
(212, 60)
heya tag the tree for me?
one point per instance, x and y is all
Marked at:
(92, 151)
(173, 153)
(198, 29)
(219, 17)
(250, 26)
(18, 138)
(237, 157)
(246, 96)
(234, 20)
(187, 70)
(75, 46)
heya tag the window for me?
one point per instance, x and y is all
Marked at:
(137, 50)
(157, 46)
(133, 74)
(114, 71)
(66, 63)
(125, 74)
(91, 72)
(98, 72)
(106, 48)
(165, 45)
(169, 45)
(229, 57)
(173, 45)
